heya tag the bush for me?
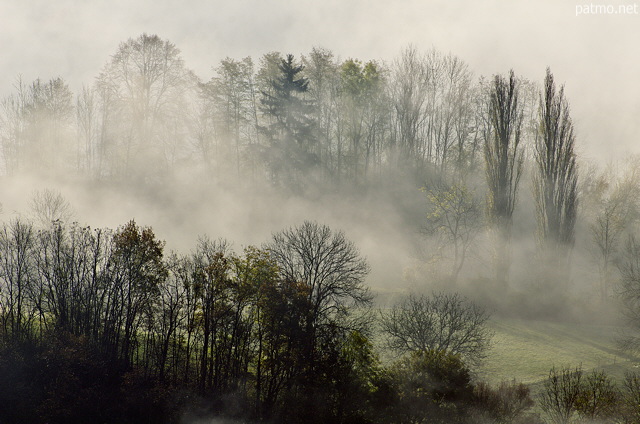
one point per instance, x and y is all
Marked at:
(630, 398)
(507, 403)
(599, 398)
(568, 392)
(560, 394)
(433, 385)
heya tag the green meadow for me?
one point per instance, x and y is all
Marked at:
(526, 350)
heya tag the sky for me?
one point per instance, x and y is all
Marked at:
(596, 55)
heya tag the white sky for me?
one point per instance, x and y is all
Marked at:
(596, 56)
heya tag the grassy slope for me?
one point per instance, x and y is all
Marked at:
(526, 350)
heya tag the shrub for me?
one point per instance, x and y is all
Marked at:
(433, 385)
(507, 403)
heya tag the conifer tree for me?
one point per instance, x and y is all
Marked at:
(290, 133)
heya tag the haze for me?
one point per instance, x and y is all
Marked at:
(291, 211)
(596, 56)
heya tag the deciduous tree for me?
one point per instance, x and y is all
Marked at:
(556, 178)
(441, 322)
(504, 158)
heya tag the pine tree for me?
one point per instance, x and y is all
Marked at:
(290, 132)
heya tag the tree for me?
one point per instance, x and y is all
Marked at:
(631, 398)
(507, 403)
(360, 91)
(231, 94)
(328, 264)
(431, 100)
(211, 285)
(599, 398)
(291, 135)
(88, 126)
(503, 163)
(137, 271)
(323, 275)
(145, 91)
(48, 206)
(561, 392)
(16, 280)
(556, 178)
(37, 127)
(569, 392)
(440, 322)
(454, 219)
(409, 88)
(613, 200)
(629, 268)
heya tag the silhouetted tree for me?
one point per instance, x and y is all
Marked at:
(137, 271)
(17, 280)
(441, 322)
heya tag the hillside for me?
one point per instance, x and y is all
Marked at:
(527, 349)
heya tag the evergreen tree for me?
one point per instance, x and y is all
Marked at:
(290, 133)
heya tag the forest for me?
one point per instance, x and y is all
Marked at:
(483, 178)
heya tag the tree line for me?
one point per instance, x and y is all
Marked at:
(102, 324)
(300, 124)
(292, 121)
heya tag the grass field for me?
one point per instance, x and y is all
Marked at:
(526, 350)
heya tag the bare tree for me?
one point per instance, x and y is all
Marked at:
(568, 392)
(556, 178)
(503, 159)
(599, 398)
(48, 206)
(409, 94)
(631, 398)
(560, 394)
(145, 91)
(629, 268)
(327, 263)
(614, 201)
(16, 279)
(440, 322)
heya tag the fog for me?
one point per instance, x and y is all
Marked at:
(594, 55)
(178, 166)
(590, 55)
(182, 212)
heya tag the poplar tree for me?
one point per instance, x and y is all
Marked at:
(556, 177)
(504, 159)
